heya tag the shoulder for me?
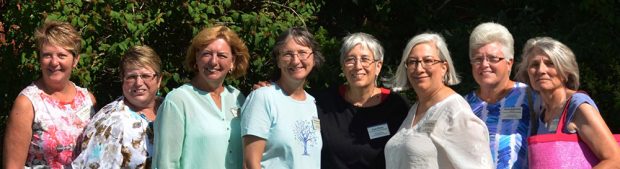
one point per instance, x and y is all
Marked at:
(456, 106)
(179, 92)
(578, 99)
(263, 91)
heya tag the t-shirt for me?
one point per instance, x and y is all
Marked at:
(290, 127)
(192, 132)
(508, 121)
(448, 136)
(116, 137)
(576, 100)
(354, 137)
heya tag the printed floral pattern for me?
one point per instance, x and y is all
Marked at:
(56, 127)
(117, 137)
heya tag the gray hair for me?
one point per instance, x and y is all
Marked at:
(400, 81)
(562, 57)
(366, 41)
(490, 32)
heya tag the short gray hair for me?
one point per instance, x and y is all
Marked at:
(400, 81)
(490, 32)
(366, 41)
(562, 57)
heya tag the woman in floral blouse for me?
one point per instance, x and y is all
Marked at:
(120, 135)
(50, 113)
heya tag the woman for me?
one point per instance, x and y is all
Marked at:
(49, 114)
(503, 104)
(551, 69)
(120, 135)
(198, 123)
(279, 123)
(440, 130)
(358, 118)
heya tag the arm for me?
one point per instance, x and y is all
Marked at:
(595, 133)
(169, 131)
(18, 133)
(94, 100)
(253, 148)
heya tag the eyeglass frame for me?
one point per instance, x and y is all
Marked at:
(356, 60)
(491, 60)
(290, 54)
(425, 63)
(146, 77)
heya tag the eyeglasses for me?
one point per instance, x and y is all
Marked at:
(147, 77)
(302, 55)
(492, 60)
(426, 63)
(352, 61)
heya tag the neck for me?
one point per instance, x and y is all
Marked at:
(431, 97)
(294, 89)
(493, 94)
(208, 85)
(363, 96)
(555, 99)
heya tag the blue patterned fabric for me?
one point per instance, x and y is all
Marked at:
(507, 131)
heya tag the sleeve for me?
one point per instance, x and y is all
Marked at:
(169, 135)
(256, 116)
(95, 147)
(463, 138)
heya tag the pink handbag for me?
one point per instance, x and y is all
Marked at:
(560, 150)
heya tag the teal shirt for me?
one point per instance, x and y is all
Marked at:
(290, 127)
(192, 132)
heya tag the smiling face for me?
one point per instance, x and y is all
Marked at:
(214, 61)
(423, 79)
(486, 73)
(56, 64)
(292, 66)
(542, 72)
(140, 85)
(358, 74)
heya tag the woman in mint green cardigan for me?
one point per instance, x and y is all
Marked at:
(198, 122)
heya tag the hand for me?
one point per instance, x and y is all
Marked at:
(261, 84)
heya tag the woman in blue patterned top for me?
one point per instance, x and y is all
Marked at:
(500, 102)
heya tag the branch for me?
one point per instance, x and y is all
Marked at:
(289, 8)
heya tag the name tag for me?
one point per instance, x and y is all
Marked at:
(428, 126)
(235, 112)
(316, 123)
(511, 113)
(377, 131)
(84, 113)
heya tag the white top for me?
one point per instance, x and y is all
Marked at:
(448, 136)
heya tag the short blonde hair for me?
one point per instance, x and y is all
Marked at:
(141, 56)
(60, 34)
(400, 81)
(562, 57)
(206, 36)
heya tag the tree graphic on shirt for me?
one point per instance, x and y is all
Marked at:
(304, 132)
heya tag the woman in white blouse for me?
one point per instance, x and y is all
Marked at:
(440, 130)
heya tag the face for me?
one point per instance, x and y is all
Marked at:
(489, 66)
(291, 62)
(360, 67)
(542, 73)
(140, 85)
(56, 63)
(423, 78)
(214, 61)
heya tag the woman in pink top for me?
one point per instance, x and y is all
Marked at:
(50, 113)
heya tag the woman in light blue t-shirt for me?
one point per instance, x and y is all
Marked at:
(279, 123)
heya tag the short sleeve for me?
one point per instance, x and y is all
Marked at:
(463, 137)
(256, 118)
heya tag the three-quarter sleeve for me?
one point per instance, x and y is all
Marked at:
(169, 135)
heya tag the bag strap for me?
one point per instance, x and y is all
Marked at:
(565, 112)
(533, 115)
